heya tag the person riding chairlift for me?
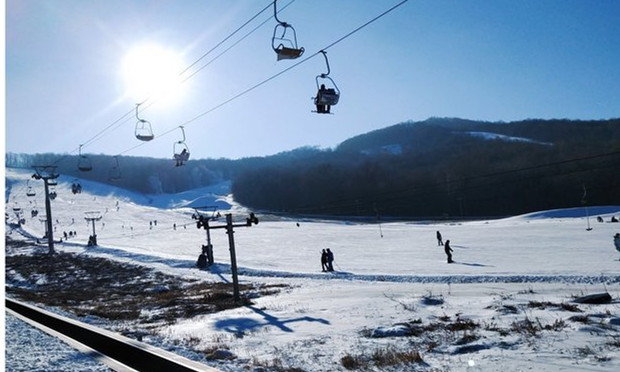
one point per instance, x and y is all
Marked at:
(182, 157)
(320, 107)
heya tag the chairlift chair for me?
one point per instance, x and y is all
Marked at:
(285, 47)
(180, 150)
(328, 93)
(84, 164)
(326, 96)
(115, 171)
(30, 191)
(144, 131)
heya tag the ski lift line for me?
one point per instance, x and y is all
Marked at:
(125, 117)
(365, 24)
(250, 89)
(296, 64)
(228, 37)
(233, 45)
(153, 101)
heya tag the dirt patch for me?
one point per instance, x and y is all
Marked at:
(91, 286)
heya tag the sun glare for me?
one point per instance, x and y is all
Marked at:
(153, 72)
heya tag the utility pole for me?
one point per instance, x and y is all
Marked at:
(92, 217)
(231, 242)
(47, 173)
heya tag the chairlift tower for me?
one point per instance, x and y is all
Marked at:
(47, 173)
(92, 217)
(252, 219)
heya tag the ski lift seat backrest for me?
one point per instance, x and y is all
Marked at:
(285, 48)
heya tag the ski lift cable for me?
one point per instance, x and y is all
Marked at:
(321, 51)
(235, 43)
(228, 37)
(265, 81)
(127, 116)
(207, 53)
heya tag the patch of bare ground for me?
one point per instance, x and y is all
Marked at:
(116, 291)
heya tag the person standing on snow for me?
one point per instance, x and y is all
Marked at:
(330, 260)
(448, 250)
(324, 260)
(439, 240)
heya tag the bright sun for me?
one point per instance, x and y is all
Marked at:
(153, 72)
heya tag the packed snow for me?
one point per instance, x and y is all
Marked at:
(390, 280)
(502, 137)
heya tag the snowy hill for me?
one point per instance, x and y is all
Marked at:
(387, 274)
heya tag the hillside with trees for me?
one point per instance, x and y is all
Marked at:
(439, 167)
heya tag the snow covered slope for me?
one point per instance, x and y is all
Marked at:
(384, 272)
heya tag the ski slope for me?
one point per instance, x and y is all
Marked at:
(383, 273)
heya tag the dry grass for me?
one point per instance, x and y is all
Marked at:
(381, 358)
(90, 286)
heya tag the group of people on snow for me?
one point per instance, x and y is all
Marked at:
(327, 260)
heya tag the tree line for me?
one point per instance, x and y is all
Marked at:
(428, 169)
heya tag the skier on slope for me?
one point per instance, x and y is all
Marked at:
(449, 251)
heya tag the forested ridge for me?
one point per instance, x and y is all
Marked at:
(434, 168)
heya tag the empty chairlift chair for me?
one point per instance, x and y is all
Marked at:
(115, 171)
(84, 164)
(285, 45)
(144, 131)
(30, 191)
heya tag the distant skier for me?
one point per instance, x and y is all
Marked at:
(617, 241)
(324, 260)
(449, 251)
(330, 260)
(439, 239)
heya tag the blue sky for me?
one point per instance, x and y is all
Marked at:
(475, 59)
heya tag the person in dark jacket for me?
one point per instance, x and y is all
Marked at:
(439, 239)
(448, 250)
(330, 260)
(324, 260)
